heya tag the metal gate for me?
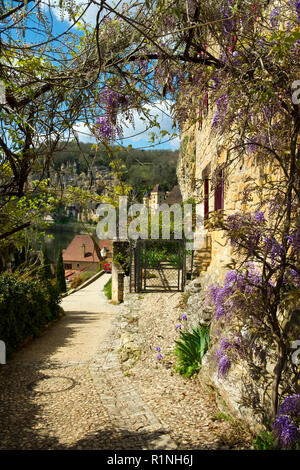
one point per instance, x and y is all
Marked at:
(157, 265)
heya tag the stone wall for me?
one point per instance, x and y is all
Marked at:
(117, 287)
(202, 152)
(119, 266)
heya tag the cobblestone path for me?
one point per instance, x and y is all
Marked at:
(65, 389)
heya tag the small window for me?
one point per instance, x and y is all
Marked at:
(68, 266)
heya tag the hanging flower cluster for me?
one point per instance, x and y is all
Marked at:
(108, 126)
(228, 351)
(287, 422)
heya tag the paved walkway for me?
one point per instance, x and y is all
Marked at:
(65, 390)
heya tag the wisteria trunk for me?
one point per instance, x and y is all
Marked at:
(281, 360)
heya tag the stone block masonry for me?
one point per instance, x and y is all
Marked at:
(117, 291)
(126, 409)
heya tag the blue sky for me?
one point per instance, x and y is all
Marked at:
(137, 137)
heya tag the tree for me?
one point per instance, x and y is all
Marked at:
(60, 273)
(46, 269)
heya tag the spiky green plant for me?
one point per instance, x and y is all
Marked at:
(190, 349)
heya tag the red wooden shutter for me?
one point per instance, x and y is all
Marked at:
(206, 198)
(219, 192)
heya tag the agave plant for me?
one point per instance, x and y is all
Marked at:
(190, 349)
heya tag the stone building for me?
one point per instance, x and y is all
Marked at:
(204, 175)
(158, 196)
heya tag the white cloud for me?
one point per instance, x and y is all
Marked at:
(83, 133)
(140, 132)
(90, 15)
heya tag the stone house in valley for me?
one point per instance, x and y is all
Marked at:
(158, 196)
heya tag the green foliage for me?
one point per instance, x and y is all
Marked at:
(81, 278)
(26, 307)
(60, 274)
(143, 169)
(107, 289)
(223, 417)
(153, 258)
(121, 256)
(190, 350)
(264, 441)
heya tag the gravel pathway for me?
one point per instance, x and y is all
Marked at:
(67, 390)
(186, 409)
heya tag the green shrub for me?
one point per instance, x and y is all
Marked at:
(190, 350)
(107, 289)
(26, 307)
(121, 256)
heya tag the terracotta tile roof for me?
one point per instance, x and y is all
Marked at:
(174, 196)
(157, 189)
(74, 252)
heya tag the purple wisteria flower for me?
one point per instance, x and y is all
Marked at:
(274, 17)
(294, 240)
(220, 115)
(224, 366)
(178, 327)
(259, 216)
(159, 357)
(291, 406)
(285, 428)
(157, 349)
(184, 317)
(297, 7)
(295, 276)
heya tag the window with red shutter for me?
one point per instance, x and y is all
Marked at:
(206, 198)
(219, 191)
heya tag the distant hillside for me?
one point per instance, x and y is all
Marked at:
(145, 168)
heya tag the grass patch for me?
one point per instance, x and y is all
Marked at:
(223, 417)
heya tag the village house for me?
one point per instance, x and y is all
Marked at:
(81, 255)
